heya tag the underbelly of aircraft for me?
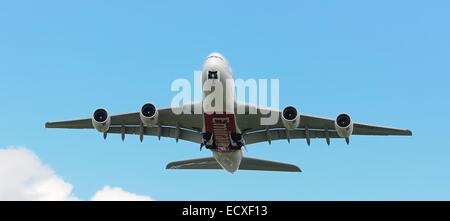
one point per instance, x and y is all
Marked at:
(221, 126)
(229, 161)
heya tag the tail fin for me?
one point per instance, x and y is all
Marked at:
(246, 164)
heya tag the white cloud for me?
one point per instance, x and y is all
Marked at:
(24, 177)
(117, 194)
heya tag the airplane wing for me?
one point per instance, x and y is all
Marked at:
(189, 126)
(310, 127)
(183, 126)
(246, 164)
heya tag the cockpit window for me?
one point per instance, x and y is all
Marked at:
(213, 75)
(215, 56)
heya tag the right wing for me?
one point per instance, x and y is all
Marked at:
(310, 127)
(246, 164)
(178, 126)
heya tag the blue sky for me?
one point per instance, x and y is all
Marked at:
(383, 62)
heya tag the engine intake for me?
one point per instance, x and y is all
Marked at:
(149, 114)
(290, 118)
(344, 125)
(101, 121)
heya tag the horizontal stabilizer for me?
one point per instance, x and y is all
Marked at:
(246, 164)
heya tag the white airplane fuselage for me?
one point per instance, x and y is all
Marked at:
(218, 111)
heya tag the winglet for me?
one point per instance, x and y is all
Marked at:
(409, 132)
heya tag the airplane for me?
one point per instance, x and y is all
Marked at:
(225, 130)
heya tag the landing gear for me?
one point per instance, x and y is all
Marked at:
(207, 141)
(236, 141)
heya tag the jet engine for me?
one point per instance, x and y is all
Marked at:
(344, 125)
(101, 120)
(290, 118)
(149, 115)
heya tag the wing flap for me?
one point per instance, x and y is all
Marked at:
(283, 134)
(182, 134)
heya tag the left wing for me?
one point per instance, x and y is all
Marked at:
(178, 126)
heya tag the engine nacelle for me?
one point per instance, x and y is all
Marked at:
(344, 125)
(101, 120)
(290, 118)
(149, 114)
